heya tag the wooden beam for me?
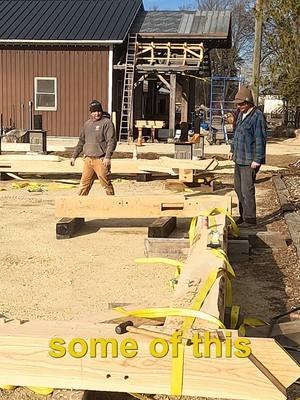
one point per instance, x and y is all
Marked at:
(186, 175)
(25, 361)
(136, 207)
(118, 166)
(162, 227)
(172, 105)
(184, 100)
(201, 262)
(164, 81)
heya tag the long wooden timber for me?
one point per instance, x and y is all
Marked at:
(200, 264)
(25, 360)
(136, 207)
(118, 166)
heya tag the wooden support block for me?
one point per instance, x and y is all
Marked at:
(5, 177)
(273, 240)
(186, 175)
(143, 177)
(238, 251)
(66, 227)
(162, 227)
(164, 247)
(236, 247)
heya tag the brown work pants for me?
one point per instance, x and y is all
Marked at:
(94, 168)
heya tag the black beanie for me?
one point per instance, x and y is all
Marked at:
(95, 105)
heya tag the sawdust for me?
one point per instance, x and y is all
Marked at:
(45, 278)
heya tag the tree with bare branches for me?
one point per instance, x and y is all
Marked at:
(228, 62)
(281, 58)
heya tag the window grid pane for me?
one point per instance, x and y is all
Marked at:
(45, 93)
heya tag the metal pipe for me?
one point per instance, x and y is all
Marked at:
(22, 115)
(30, 114)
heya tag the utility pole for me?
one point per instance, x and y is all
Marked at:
(259, 10)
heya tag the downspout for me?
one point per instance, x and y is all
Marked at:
(110, 78)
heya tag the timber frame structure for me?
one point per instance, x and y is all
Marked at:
(199, 305)
(168, 63)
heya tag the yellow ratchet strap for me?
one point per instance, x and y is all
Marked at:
(230, 274)
(41, 390)
(171, 312)
(177, 371)
(177, 363)
(8, 387)
(215, 211)
(201, 296)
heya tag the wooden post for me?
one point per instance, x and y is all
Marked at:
(184, 100)
(138, 94)
(257, 49)
(172, 108)
(140, 137)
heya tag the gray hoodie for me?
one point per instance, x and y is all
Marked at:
(97, 139)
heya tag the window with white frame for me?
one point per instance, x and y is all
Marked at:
(45, 92)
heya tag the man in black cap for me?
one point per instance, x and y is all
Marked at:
(98, 142)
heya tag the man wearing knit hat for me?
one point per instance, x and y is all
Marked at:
(98, 142)
(248, 151)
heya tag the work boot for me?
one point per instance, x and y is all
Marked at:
(239, 220)
(248, 223)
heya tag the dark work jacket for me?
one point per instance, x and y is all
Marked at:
(97, 139)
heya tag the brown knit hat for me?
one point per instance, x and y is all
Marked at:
(244, 94)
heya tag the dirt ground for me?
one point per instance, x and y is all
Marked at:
(46, 278)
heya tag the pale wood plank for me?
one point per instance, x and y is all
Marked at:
(276, 360)
(118, 166)
(136, 207)
(24, 360)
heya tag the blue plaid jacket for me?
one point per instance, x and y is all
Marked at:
(249, 140)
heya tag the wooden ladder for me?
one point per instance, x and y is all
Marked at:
(127, 103)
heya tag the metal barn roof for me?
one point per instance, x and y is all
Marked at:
(202, 24)
(66, 21)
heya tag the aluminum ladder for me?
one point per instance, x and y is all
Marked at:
(126, 122)
(220, 104)
(217, 100)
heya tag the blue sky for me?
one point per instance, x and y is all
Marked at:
(166, 4)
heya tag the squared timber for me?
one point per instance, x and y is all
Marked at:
(162, 227)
